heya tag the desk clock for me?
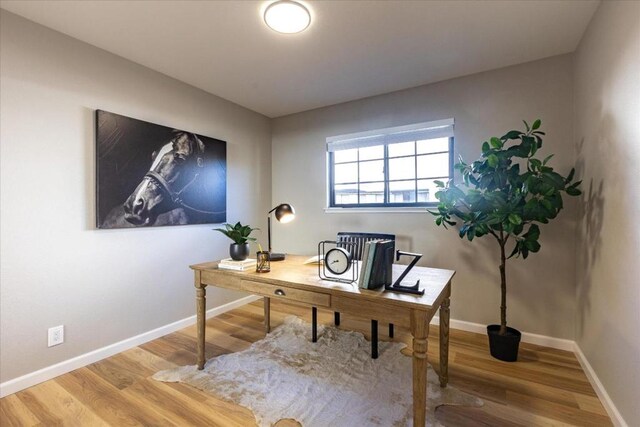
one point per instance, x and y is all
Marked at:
(338, 263)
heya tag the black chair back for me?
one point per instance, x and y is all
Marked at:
(359, 239)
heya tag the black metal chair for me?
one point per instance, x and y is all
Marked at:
(357, 244)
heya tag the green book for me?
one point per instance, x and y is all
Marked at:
(369, 265)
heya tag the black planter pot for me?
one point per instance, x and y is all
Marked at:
(239, 252)
(504, 347)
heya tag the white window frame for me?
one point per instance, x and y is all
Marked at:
(387, 136)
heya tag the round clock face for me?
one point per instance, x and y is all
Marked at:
(338, 260)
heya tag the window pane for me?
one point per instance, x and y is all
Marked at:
(433, 145)
(402, 168)
(433, 165)
(370, 153)
(372, 193)
(347, 172)
(403, 149)
(346, 155)
(346, 194)
(426, 191)
(372, 171)
(402, 192)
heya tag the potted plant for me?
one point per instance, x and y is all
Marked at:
(239, 250)
(505, 194)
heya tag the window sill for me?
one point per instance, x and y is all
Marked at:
(422, 210)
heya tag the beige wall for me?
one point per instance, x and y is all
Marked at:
(103, 285)
(607, 126)
(541, 296)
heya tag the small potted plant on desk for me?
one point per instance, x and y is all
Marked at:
(500, 201)
(239, 250)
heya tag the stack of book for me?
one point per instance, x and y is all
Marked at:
(229, 264)
(377, 264)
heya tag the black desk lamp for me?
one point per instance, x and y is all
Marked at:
(284, 213)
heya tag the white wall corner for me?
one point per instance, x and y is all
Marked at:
(605, 399)
(560, 344)
(44, 374)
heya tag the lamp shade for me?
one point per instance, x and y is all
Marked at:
(285, 213)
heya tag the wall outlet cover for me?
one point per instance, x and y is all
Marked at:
(56, 336)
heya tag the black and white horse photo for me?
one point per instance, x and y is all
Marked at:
(151, 175)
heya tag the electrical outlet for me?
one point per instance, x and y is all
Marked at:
(56, 335)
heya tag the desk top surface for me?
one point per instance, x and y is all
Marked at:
(293, 272)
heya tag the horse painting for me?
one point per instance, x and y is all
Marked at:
(183, 183)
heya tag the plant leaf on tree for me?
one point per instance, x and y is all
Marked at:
(505, 194)
(238, 233)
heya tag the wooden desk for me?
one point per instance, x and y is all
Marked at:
(292, 281)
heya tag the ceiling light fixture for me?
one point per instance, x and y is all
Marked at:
(287, 16)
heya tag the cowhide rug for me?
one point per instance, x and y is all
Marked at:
(333, 382)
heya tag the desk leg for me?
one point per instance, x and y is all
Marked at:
(444, 343)
(420, 332)
(267, 314)
(201, 308)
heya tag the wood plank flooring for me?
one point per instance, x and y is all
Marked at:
(546, 387)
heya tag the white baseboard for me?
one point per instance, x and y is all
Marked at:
(560, 344)
(609, 406)
(544, 340)
(44, 374)
(33, 378)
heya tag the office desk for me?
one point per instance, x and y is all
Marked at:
(292, 281)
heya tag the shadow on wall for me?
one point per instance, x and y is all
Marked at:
(591, 217)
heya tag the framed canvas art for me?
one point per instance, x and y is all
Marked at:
(150, 175)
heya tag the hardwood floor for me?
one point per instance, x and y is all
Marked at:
(546, 387)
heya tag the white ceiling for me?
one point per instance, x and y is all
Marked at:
(353, 49)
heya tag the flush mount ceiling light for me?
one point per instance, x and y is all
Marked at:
(287, 16)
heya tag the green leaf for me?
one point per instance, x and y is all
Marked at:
(515, 219)
(570, 176)
(573, 191)
(532, 245)
(513, 134)
(535, 163)
(533, 233)
(546, 159)
(439, 183)
(554, 179)
(492, 160)
(496, 143)
(485, 147)
(471, 233)
(526, 125)
(536, 124)
(538, 140)
(515, 251)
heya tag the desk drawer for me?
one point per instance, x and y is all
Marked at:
(372, 310)
(318, 299)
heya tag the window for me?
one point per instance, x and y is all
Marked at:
(393, 167)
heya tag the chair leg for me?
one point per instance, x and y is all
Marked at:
(314, 324)
(336, 318)
(390, 330)
(374, 339)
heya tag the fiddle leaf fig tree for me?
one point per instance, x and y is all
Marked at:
(505, 194)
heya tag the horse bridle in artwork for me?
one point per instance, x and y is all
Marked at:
(176, 197)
